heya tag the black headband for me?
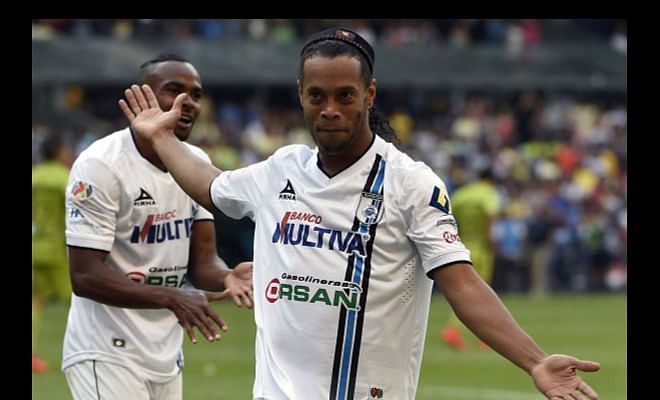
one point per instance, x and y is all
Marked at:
(347, 36)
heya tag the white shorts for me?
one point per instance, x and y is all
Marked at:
(106, 381)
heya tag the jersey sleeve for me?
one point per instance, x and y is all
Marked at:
(92, 203)
(430, 224)
(238, 193)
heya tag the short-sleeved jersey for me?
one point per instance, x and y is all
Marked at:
(117, 201)
(340, 270)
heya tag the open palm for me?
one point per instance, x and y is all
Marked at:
(555, 376)
(142, 110)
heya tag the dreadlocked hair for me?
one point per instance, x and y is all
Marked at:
(379, 125)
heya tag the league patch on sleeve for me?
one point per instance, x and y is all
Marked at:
(440, 200)
(81, 191)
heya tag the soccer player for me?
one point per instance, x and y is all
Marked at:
(50, 275)
(349, 238)
(135, 240)
(474, 206)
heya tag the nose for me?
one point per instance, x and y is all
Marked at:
(330, 110)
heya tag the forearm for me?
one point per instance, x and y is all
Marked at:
(191, 173)
(479, 308)
(100, 283)
(210, 277)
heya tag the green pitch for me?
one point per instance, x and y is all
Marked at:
(586, 326)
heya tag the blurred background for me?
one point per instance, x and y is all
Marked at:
(542, 104)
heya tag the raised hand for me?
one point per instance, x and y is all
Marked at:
(555, 376)
(193, 309)
(142, 110)
(239, 282)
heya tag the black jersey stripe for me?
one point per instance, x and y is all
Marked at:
(348, 388)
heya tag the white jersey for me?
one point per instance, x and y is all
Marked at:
(117, 201)
(340, 270)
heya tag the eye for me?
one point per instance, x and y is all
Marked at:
(345, 96)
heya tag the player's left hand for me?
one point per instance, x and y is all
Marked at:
(555, 376)
(239, 282)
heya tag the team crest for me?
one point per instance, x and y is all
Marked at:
(369, 210)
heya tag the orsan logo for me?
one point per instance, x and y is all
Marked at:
(308, 289)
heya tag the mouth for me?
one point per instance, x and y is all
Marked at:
(185, 121)
(329, 130)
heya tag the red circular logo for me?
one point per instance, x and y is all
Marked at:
(273, 290)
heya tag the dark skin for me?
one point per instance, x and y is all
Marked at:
(91, 277)
(168, 80)
(335, 101)
(336, 104)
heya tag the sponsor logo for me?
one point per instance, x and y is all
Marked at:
(137, 277)
(309, 289)
(451, 237)
(169, 228)
(288, 193)
(81, 191)
(144, 199)
(447, 220)
(375, 392)
(298, 234)
(171, 280)
(440, 200)
(75, 213)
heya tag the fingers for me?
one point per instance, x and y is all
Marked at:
(150, 96)
(243, 298)
(178, 102)
(190, 331)
(132, 102)
(215, 296)
(588, 391)
(139, 97)
(127, 111)
(587, 366)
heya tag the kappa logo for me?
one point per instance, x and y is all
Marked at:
(144, 199)
(288, 193)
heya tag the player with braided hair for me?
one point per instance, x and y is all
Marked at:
(350, 237)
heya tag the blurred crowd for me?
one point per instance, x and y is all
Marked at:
(559, 159)
(516, 34)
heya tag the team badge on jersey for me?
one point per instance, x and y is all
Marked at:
(81, 191)
(369, 209)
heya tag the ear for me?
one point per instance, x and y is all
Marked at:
(300, 95)
(371, 93)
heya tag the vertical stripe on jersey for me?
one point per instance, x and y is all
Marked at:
(358, 270)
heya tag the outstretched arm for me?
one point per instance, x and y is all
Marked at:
(148, 121)
(479, 308)
(209, 272)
